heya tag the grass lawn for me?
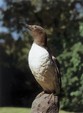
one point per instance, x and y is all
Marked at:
(19, 110)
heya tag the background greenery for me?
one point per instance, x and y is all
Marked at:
(64, 26)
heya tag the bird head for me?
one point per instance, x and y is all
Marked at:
(38, 33)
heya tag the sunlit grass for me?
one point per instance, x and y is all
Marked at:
(61, 111)
(14, 110)
(19, 110)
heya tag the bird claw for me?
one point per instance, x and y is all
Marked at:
(50, 97)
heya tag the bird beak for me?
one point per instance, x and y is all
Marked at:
(29, 27)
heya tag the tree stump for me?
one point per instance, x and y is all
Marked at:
(45, 103)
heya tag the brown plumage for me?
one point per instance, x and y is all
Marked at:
(43, 65)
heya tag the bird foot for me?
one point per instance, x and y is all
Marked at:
(50, 97)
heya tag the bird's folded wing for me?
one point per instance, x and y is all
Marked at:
(56, 64)
(57, 67)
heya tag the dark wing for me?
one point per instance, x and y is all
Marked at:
(55, 61)
(57, 66)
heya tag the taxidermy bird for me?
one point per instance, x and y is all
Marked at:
(41, 62)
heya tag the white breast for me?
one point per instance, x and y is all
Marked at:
(42, 68)
(38, 58)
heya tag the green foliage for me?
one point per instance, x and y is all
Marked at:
(72, 80)
(65, 36)
(81, 29)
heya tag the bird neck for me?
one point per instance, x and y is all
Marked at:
(41, 44)
(41, 41)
